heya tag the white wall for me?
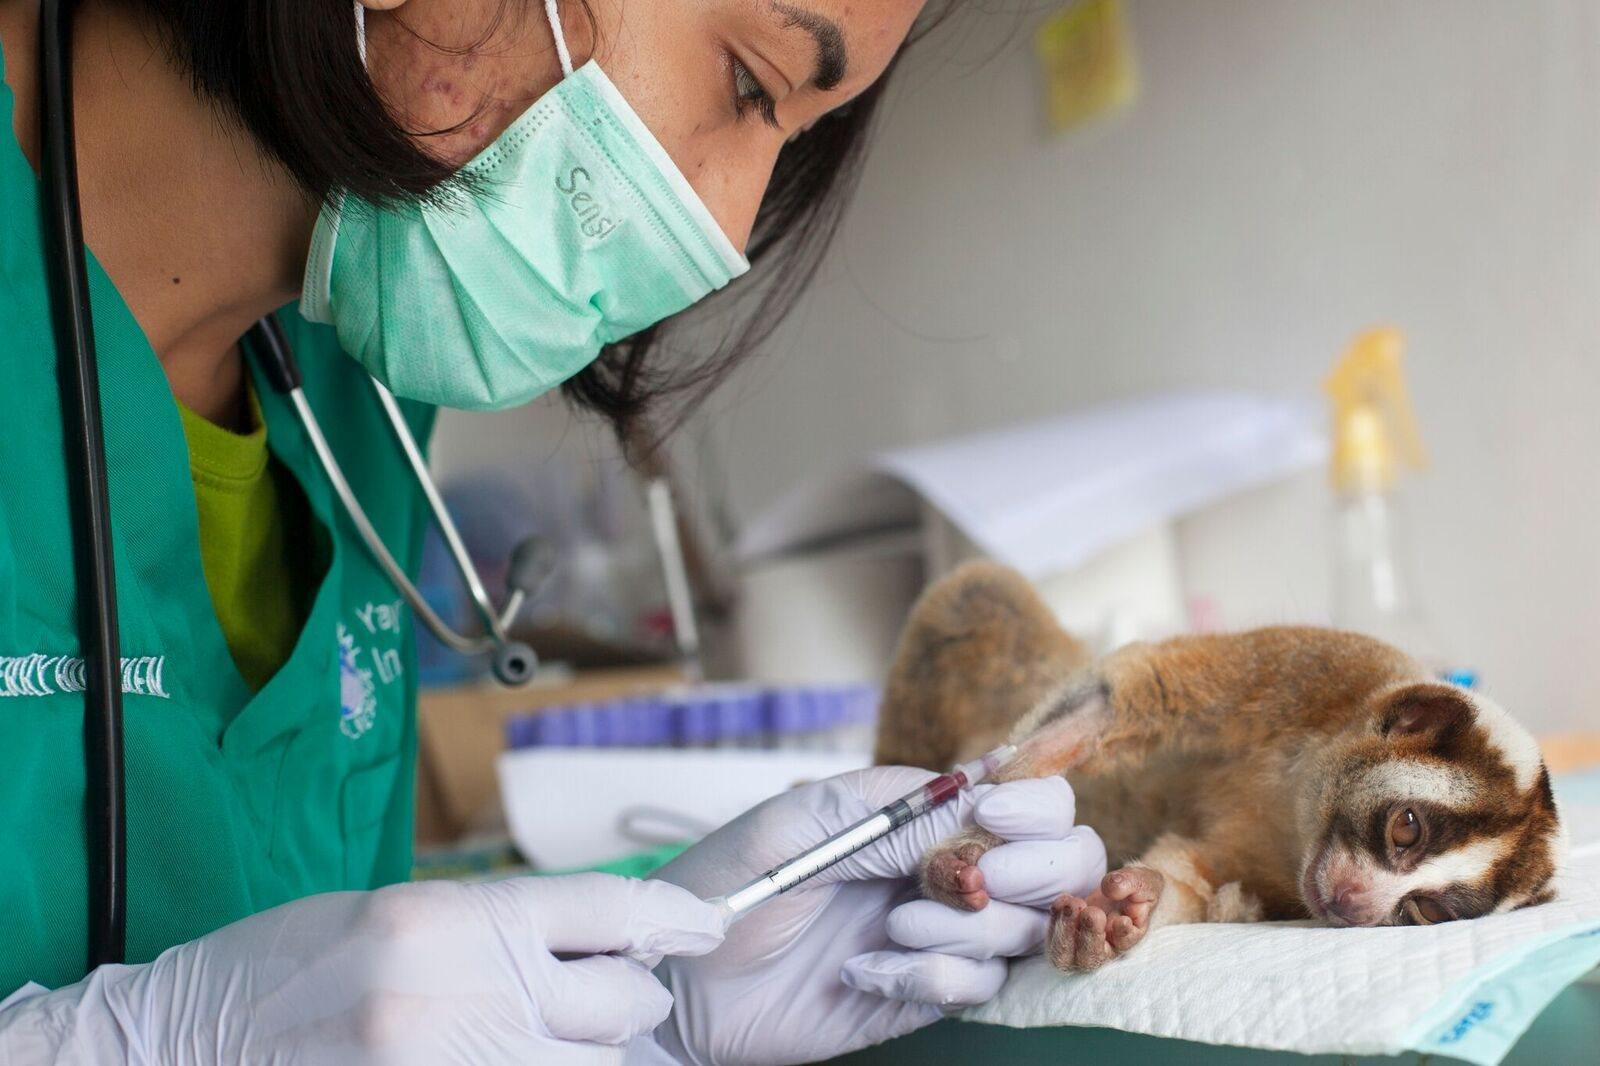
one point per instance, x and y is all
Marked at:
(1292, 171)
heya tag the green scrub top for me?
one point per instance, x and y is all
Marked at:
(236, 800)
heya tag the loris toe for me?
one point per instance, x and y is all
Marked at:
(1133, 891)
(1077, 938)
(1085, 934)
(1122, 933)
(952, 877)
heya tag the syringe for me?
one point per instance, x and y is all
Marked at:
(875, 826)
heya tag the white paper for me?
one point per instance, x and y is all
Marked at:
(1290, 986)
(1048, 496)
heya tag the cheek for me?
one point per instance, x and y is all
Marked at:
(437, 73)
(682, 96)
(727, 163)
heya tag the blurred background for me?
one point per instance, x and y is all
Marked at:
(1080, 317)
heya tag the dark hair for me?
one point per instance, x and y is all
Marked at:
(290, 72)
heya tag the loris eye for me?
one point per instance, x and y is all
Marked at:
(1425, 910)
(1404, 829)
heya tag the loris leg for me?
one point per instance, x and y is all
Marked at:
(1169, 885)
(978, 651)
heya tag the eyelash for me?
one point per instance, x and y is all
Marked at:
(748, 94)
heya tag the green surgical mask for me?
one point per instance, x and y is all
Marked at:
(575, 231)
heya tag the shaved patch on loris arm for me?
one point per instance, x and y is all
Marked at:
(1061, 731)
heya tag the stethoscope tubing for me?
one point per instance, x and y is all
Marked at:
(90, 497)
(513, 661)
(495, 623)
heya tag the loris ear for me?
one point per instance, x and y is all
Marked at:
(1438, 712)
(979, 650)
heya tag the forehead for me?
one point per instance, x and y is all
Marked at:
(1484, 750)
(1458, 813)
(1503, 737)
(1460, 799)
(1433, 781)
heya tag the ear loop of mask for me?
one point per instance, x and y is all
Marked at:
(315, 291)
(561, 38)
(361, 34)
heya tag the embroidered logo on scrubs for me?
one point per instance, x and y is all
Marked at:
(45, 675)
(358, 698)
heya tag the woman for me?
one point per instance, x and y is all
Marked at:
(233, 157)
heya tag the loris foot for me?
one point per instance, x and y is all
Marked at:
(950, 873)
(1085, 934)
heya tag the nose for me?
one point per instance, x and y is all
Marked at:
(736, 200)
(1349, 902)
(733, 188)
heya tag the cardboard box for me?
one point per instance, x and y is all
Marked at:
(461, 731)
(1570, 752)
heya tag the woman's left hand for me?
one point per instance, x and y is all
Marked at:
(852, 957)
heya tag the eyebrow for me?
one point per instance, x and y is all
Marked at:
(833, 61)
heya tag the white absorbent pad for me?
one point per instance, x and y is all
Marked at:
(1466, 990)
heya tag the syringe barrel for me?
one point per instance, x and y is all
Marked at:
(836, 848)
(875, 826)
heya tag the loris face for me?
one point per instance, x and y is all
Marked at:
(1441, 809)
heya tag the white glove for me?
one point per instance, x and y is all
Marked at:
(433, 973)
(844, 961)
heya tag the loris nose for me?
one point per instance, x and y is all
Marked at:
(1349, 902)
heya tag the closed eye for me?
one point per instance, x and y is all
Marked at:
(750, 96)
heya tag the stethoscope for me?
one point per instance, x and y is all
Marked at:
(513, 662)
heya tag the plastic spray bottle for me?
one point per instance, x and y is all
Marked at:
(1375, 440)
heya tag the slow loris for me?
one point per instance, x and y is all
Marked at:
(1288, 772)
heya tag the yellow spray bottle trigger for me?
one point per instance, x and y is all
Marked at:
(1374, 426)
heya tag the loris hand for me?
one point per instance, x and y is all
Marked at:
(844, 961)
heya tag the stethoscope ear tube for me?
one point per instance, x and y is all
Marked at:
(89, 493)
(274, 356)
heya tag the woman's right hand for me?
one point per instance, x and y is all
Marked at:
(525, 970)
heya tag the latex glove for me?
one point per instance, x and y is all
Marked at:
(845, 961)
(433, 972)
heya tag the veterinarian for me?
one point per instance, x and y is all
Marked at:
(292, 213)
